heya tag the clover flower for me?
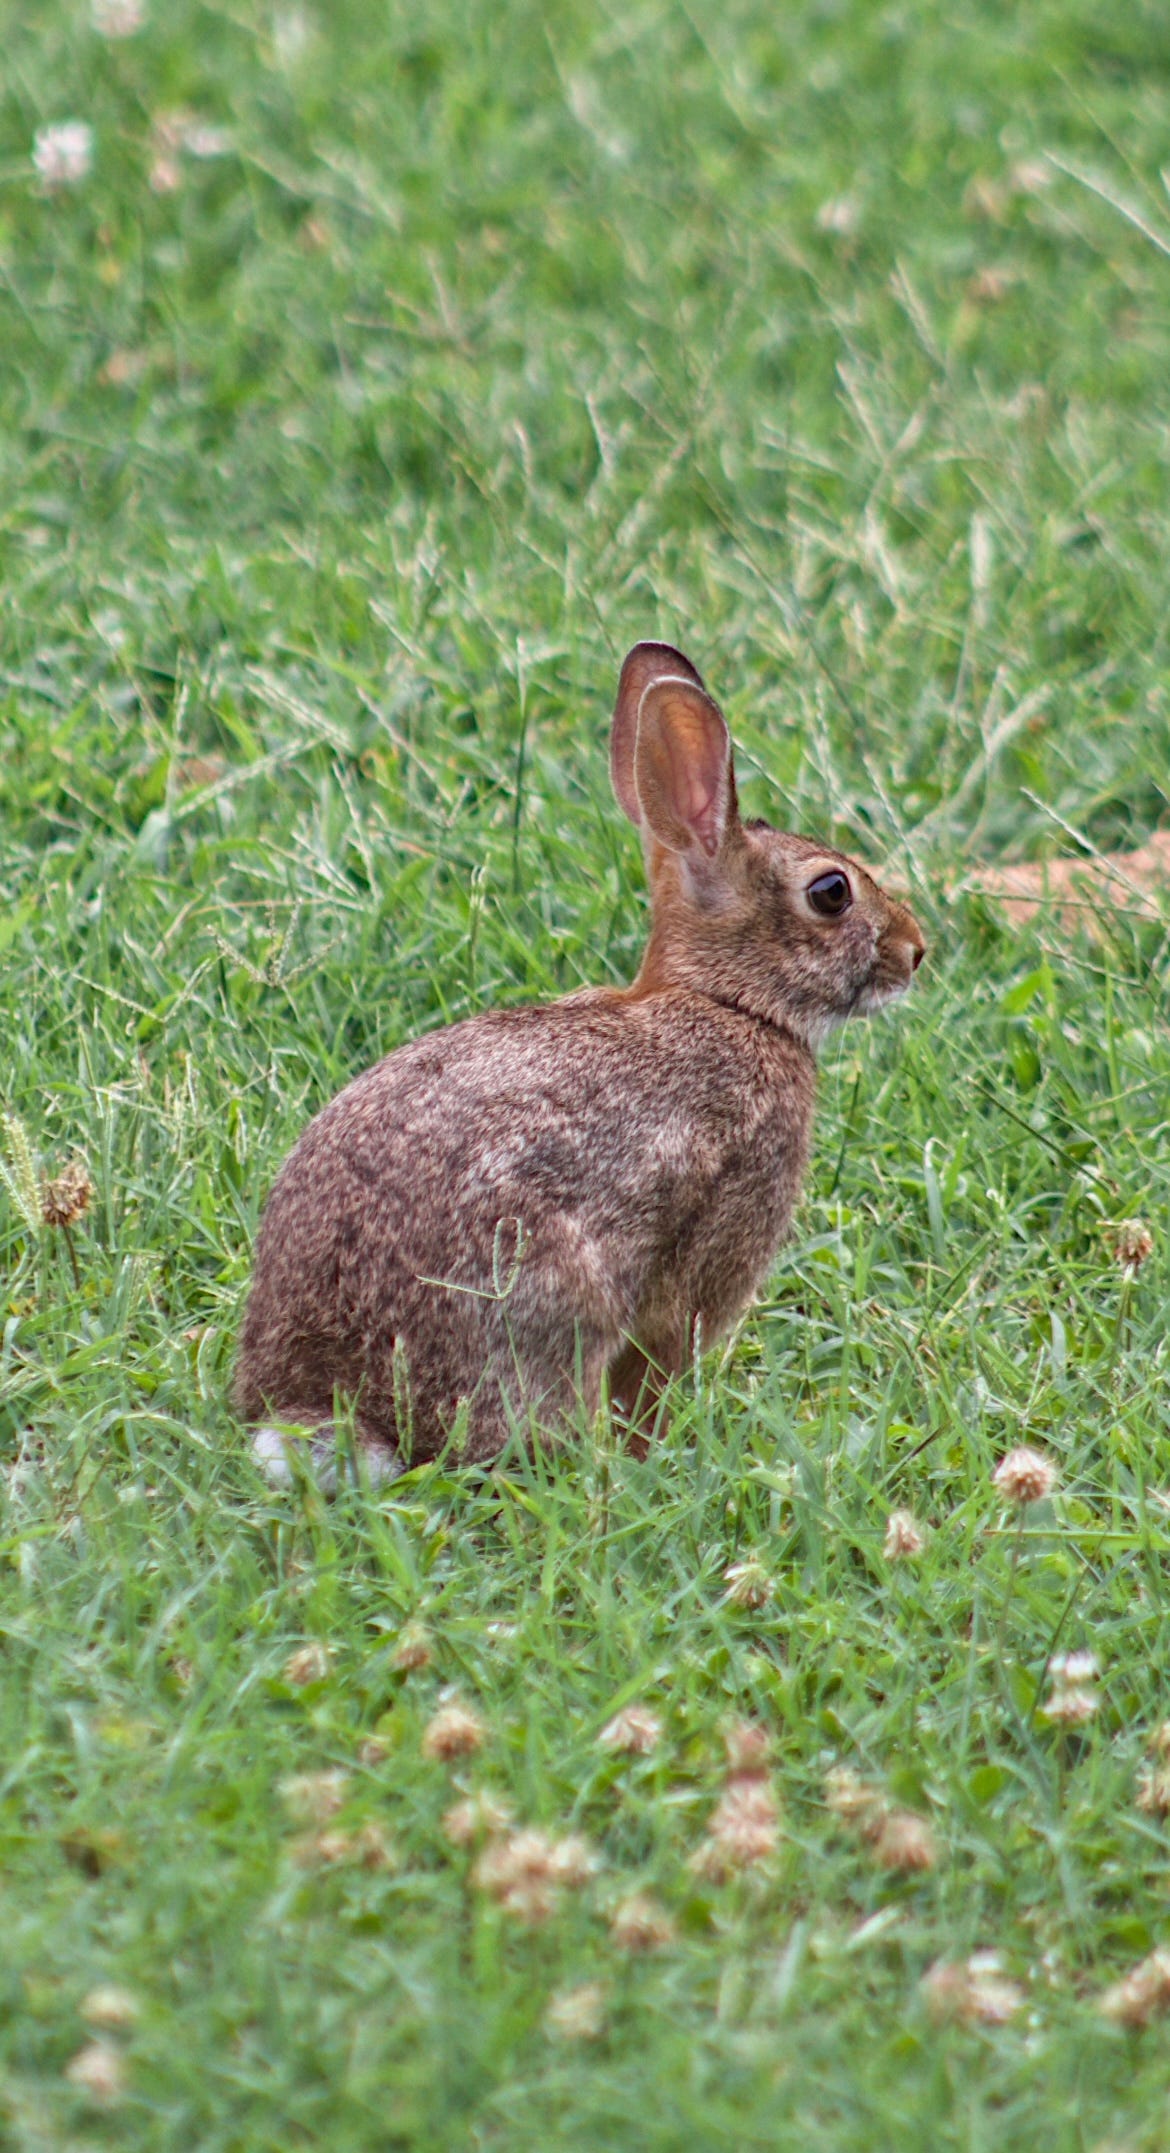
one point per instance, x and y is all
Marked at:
(1073, 1700)
(633, 1732)
(1132, 1243)
(63, 153)
(1143, 1993)
(1025, 1476)
(111, 2008)
(67, 1196)
(483, 1815)
(313, 1797)
(412, 1648)
(453, 1731)
(901, 1840)
(743, 1830)
(527, 1872)
(117, 18)
(98, 2070)
(972, 1990)
(903, 1536)
(748, 1584)
(639, 1924)
(309, 1663)
(577, 2014)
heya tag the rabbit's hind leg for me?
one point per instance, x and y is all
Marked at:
(545, 1388)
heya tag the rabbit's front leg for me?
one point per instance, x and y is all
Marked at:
(637, 1384)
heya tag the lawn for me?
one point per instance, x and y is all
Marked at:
(370, 379)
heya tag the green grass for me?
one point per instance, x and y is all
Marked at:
(333, 485)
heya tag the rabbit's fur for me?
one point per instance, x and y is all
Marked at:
(502, 1215)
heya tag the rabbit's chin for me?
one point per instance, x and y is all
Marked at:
(878, 994)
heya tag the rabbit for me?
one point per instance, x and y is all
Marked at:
(505, 1218)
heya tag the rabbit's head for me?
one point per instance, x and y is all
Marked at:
(776, 925)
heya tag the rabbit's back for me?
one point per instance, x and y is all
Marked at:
(494, 1208)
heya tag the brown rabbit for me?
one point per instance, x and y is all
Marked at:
(501, 1215)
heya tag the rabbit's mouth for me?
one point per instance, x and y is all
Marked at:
(896, 960)
(882, 988)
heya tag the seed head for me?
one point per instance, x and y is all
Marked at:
(64, 1199)
(453, 1731)
(309, 1663)
(63, 155)
(99, 2071)
(633, 1732)
(1142, 1995)
(19, 1174)
(639, 1923)
(1132, 1243)
(577, 2014)
(313, 1797)
(903, 1537)
(748, 1584)
(1025, 1475)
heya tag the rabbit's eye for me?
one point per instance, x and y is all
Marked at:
(830, 894)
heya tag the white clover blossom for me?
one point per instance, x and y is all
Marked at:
(117, 18)
(63, 153)
(1025, 1475)
(1073, 1700)
(903, 1536)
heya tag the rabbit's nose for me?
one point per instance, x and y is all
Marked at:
(914, 937)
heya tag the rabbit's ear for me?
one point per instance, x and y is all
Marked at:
(646, 662)
(682, 767)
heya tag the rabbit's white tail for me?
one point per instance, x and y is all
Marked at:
(281, 1455)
